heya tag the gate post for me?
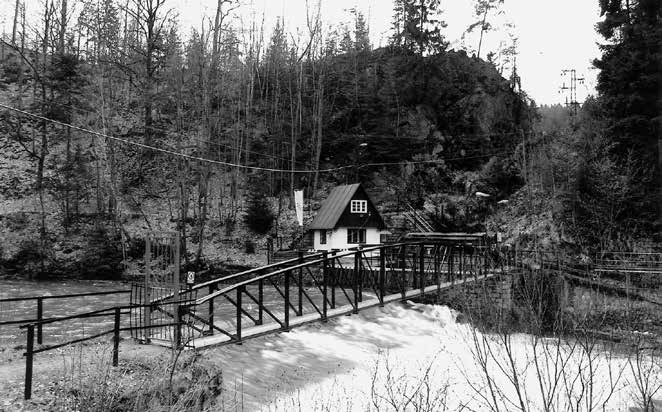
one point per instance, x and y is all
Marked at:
(382, 274)
(147, 299)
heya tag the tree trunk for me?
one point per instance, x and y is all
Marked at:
(13, 33)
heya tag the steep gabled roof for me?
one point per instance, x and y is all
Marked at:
(333, 207)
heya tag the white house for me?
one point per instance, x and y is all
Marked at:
(347, 219)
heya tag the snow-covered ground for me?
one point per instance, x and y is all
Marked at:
(418, 357)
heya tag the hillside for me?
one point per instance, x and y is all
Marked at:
(100, 196)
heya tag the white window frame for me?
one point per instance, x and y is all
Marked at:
(323, 237)
(359, 206)
(358, 232)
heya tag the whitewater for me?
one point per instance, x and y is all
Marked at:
(420, 357)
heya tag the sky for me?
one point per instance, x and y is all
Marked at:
(552, 35)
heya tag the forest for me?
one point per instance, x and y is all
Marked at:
(115, 121)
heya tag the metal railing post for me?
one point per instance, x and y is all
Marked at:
(116, 337)
(382, 274)
(451, 275)
(28, 363)
(421, 269)
(324, 282)
(403, 265)
(212, 289)
(286, 320)
(260, 300)
(300, 284)
(40, 317)
(178, 326)
(239, 293)
(334, 279)
(355, 283)
(437, 271)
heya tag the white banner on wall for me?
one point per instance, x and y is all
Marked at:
(298, 205)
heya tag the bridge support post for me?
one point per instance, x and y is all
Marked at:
(355, 283)
(382, 274)
(240, 291)
(212, 289)
(325, 275)
(286, 316)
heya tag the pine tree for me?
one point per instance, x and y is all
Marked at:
(629, 84)
(259, 217)
(417, 27)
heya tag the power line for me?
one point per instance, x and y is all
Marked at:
(219, 162)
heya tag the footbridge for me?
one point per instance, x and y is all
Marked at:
(313, 287)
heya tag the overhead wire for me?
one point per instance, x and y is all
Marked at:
(229, 164)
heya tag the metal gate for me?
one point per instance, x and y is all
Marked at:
(159, 294)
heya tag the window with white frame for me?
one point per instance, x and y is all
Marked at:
(359, 206)
(355, 236)
(322, 237)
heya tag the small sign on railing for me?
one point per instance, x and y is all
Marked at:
(190, 278)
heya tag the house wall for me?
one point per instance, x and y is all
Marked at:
(338, 238)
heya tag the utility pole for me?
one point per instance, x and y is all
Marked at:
(573, 104)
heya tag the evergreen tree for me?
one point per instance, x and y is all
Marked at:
(416, 26)
(629, 84)
(259, 217)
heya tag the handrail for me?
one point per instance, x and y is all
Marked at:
(72, 295)
(349, 252)
(246, 272)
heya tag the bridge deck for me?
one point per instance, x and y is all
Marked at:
(255, 331)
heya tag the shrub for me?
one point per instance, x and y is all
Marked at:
(259, 217)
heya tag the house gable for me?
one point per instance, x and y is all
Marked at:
(336, 210)
(371, 218)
